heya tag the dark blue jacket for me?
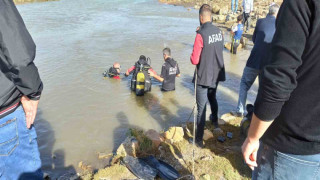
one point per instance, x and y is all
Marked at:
(262, 38)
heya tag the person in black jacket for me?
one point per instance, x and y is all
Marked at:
(170, 70)
(20, 92)
(208, 58)
(286, 113)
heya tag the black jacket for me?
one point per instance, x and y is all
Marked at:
(19, 75)
(211, 66)
(289, 92)
(169, 71)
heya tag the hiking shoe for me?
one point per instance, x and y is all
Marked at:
(215, 124)
(236, 114)
(214, 121)
(200, 144)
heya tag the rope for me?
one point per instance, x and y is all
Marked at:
(194, 120)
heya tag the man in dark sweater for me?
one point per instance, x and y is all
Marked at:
(20, 90)
(287, 109)
(208, 58)
(261, 38)
(170, 70)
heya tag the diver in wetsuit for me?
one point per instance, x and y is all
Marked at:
(141, 81)
(114, 71)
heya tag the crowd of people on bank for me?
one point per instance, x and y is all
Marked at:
(283, 141)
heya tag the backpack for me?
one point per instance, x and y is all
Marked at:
(141, 81)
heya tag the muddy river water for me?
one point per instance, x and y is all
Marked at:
(81, 113)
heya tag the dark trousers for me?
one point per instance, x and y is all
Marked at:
(234, 46)
(246, 20)
(203, 95)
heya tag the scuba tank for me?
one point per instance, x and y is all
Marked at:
(140, 82)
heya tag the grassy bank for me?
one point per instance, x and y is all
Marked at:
(215, 161)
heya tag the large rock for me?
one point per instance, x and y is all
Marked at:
(205, 177)
(174, 134)
(228, 117)
(216, 9)
(253, 23)
(207, 135)
(154, 136)
(220, 18)
(130, 146)
(231, 18)
(224, 10)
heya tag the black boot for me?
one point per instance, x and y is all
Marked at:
(214, 122)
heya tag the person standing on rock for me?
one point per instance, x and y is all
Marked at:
(247, 6)
(170, 70)
(262, 37)
(234, 6)
(208, 57)
(20, 92)
(284, 137)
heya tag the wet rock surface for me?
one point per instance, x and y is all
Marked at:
(175, 134)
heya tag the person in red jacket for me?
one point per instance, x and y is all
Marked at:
(207, 55)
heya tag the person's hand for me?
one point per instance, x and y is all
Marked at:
(30, 109)
(151, 73)
(198, 28)
(249, 151)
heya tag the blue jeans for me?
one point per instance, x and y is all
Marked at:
(232, 5)
(275, 165)
(248, 78)
(203, 95)
(19, 154)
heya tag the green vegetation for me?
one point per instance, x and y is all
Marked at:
(145, 144)
(217, 160)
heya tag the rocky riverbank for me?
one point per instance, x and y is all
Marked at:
(217, 160)
(222, 10)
